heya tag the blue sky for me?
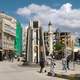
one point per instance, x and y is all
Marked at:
(11, 7)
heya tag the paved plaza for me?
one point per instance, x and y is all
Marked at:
(13, 71)
(74, 69)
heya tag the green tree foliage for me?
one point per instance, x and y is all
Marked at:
(58, 46)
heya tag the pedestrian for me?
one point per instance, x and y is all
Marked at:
(3, 56)
(9, 56)
(18, 58)
(64, 63)
(67, 61)
(52, 65)
(42, 62)
(12, 56)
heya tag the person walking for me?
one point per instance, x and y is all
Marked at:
(67, 61)
(64, 63)
(42, 60)
(9, 56)
(52, 65)
(42, 64)
(12, 56)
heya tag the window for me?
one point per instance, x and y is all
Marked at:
(9, 29)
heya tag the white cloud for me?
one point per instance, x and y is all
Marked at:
(64, 16)
(23, 11)
(66, 8)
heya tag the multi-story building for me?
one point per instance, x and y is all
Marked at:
(7, 33)
(65, 39)
(24, 37)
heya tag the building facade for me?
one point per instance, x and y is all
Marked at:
(24, 37)
(59, 37)
(34, 43)
(18, 40)
(65, 39)
(7, 33)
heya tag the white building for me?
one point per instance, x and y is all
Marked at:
(7, 33)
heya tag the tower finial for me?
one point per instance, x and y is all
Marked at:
(49, 23)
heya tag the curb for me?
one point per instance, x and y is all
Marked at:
(70, 77)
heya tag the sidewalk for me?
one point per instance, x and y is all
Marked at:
(73, 74)
(62, 73)
(11, 71)
(69, 74)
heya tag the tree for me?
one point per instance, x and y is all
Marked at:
(58, 50)
(58, 47)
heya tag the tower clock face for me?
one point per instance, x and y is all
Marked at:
(35, 24)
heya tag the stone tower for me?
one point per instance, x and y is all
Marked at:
(34, 42)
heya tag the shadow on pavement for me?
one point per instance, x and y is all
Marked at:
(69, 77)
